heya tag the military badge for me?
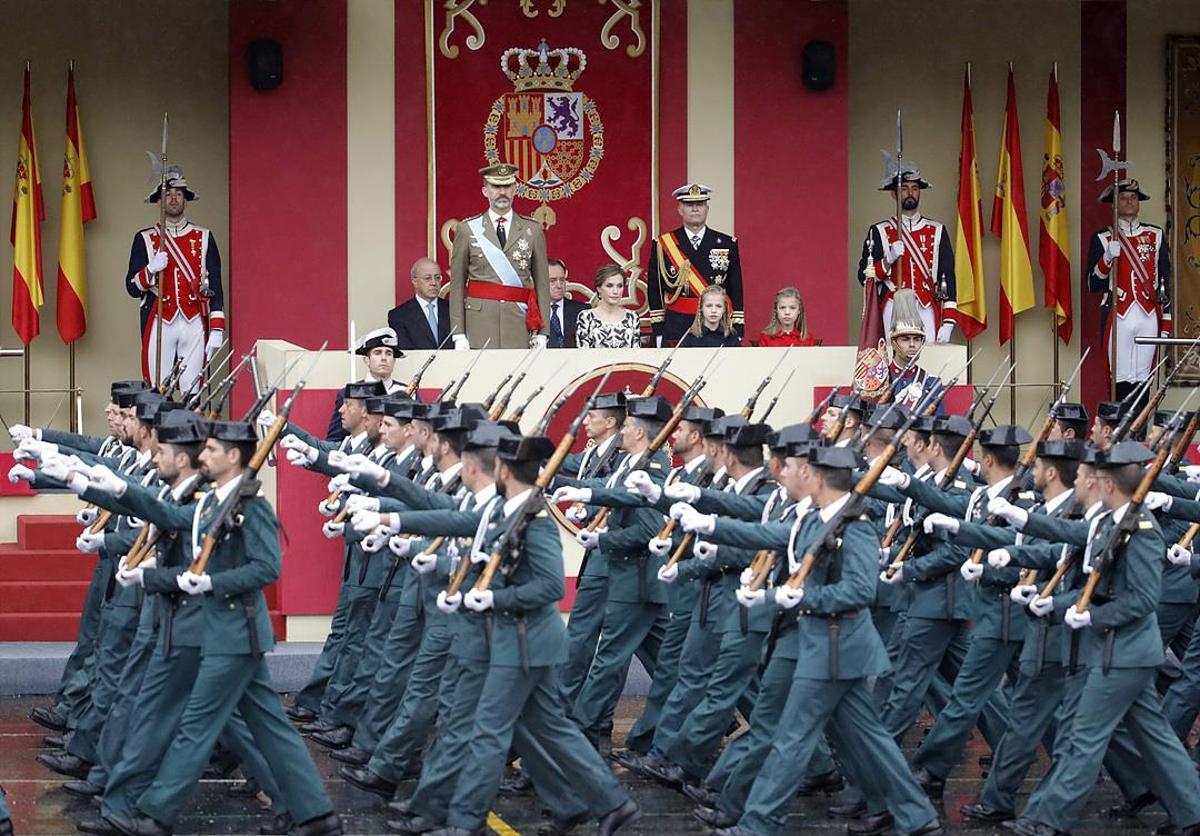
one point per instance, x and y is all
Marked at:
(549, 130)
(719, 260)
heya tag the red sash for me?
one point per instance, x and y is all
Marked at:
(494, 292)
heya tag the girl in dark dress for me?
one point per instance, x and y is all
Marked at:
(712, 327)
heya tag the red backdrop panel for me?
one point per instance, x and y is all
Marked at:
(287, 179)
(412, 159)
(796, 140)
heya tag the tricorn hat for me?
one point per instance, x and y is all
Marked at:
(653, 408)
(487, 434)
(1126, 452)
(524, 448)
(1129, 185)
(909, 173)
(792, 434)
(180, 426)
(173, 179)
(718, 426)
(1064, 448)
(843, 458)
(1005, 435)
(1067, 411)
(236, 432)
(362, 390)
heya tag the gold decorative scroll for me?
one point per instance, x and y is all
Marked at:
(556, 8)
(1183, 188)
(629, 9)
(446, 235)
(454, 10)
(638, 302)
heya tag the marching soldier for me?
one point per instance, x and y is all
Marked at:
(499, 279)
(918, 256)
(183, 271)
(684, 261)
(1141, 285)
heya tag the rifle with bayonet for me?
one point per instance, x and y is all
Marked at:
(455, 386)
(657, 377)
(499, 404)
(172, 378)
(1132, 422)
(193, 398)
(415, 383)
(771, 406)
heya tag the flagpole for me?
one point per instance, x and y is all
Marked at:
(71, 383)
(1054, 313)
(27, 385)
(970, 353)
(1112, 273)
(1012, 373)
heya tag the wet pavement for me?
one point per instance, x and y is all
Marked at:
(41, 807)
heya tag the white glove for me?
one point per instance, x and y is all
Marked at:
(363, 466)
(678, 509)
(660, 547)
(449, 603)
(1112, 250)
(194, 584)
(538, 341)
(38, 449)
(367, 520)
(1076, 619)
(304, 452)
(705, 550)
(569, 494)
(375, 541)
(333, 530)
(327, 508)
(57, 467)
(1179, 555)
(668, 573)
(747, 577)
(894, 576)
(401, 546)
(298, 458)
(893, 478)
(89, 543)
(20, 473)
(216, 339)
(20, 432)
(158, 262)
(87, 516)
(999, 558)
(265, 419)
(692, 520)
(1023, 594)
(1192, 471)
(479, 557)
(338, 483)
(588, 539)
(640, 482)
(361, 503)
(682, 492)
(460, 344)
(885, 556)
(971, 571)
(750, 598)
(894, 251)
(103, 479)
(479, 600)
(945, 522)
(1157, 501)
(1005, 510)
(130, 577)
(423, 563)
(789, 597)
(1041, 607)
(971, 466)
(945, 331)
(576, 514)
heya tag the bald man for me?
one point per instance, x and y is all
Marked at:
(423, 322)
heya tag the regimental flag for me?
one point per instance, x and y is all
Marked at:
(968, 235)
(1010, 223)
(78, 207)
(1054, 237)
(26, 235)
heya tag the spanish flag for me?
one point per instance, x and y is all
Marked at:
(78, 207)
(28, 213)
(1010, 223)
(968, 236)
(1054, 237)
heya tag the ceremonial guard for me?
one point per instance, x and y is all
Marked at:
(183, 269)
(910, 383)
(380, 351)
(499, 280)
(913, 254)
(1141, 258)
(684, 261)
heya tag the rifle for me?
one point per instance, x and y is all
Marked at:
(172, 378)
(193, 399)
(248, 484)
(516, 522)
(1026, 462)
(1125, 427)
(1153, 403)
(495, 393)
(775, 400)
(415, 383)
(952, 470)
(752, 401)
(451, 391)
(820, 408)
(517, 414)
(497, 406)
(216, 402)
(657, 377)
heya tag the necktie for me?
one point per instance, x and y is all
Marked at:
(431, 315)
(556, 331)
(501, 235)
(696, 241)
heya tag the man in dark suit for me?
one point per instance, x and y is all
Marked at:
(423, 322)
(562, 310)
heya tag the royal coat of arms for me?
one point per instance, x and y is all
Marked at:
(551, 132)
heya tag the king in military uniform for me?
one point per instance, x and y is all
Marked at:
(499, 276)
(685, 261)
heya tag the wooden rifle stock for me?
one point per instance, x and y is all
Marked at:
(100, 522)
(761, 566)
(142, 548)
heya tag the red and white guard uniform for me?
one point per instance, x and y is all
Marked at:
(927, 260)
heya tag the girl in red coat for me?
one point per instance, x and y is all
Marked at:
(788, 324)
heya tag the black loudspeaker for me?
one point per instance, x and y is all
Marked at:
(264, 64)
(818, 68)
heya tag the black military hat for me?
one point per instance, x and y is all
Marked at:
(803, 449)
(487, 434)
(839, 457)
(925, 424)
(702, 414)
(1066, 411)
(408, 410)
(377, 405)
(653, 408)
(717, 427)
(952, 425)
(362, 390)
(887, 417)
(524, 448)
(462, 419)
(180, 426)
(235, 432)
(747, 435)
(792, 434)
(168, 407)
(850, 403)
(433, 410)
(1109, 412)
(146, 404)
(1128, 185)
(1090, 451)
(172, 178)
(1066, 448)
(609, 400)
(126, 386)
(379, 338)
(126, 398)
(1126, 452)
(1005, 435)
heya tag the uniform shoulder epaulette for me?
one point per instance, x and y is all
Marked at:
(960, 484)
(655, 466)
(1145, 524)
(145, 229)
(864, 518)
(473, 217)
(542, 514)
(1026, 495)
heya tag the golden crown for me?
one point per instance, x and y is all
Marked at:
(553, 70)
